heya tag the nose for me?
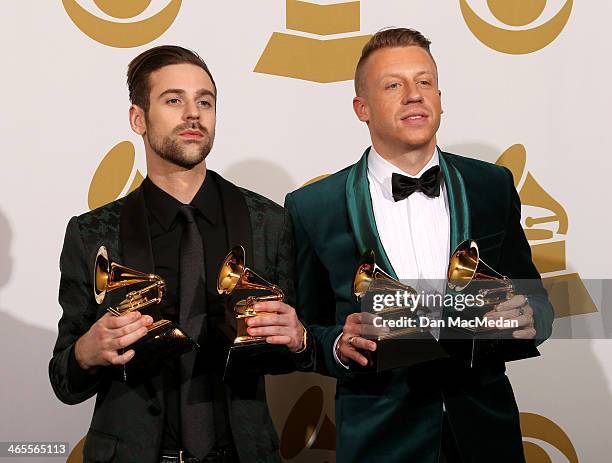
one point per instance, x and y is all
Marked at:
(412, 94)
(191, 111)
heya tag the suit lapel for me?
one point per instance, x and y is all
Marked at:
(134, 233)
(137, 253)
(239, 233)
(237, 217)
(361, 214)
(459, 210)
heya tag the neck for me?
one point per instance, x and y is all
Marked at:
(178, 182)
(409, 160)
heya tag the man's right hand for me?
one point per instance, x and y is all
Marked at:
(351, 340)
(100, 345)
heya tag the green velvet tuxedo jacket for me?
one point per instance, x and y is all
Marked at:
(396, 416)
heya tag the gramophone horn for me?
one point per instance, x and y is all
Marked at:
(364, 274)
(532, 194)
(367, 272)
(463, 265)
(109, 275)
(466, 266)
(231, 270)
(101, 274)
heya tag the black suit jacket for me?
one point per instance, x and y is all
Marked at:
(127, 423)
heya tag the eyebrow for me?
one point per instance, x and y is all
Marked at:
(401, 76)
(200, 93)
(395, 75)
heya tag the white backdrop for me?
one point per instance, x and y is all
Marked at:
(65, 107)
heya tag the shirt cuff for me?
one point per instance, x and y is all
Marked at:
(336, 358)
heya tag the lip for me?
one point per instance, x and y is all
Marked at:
(414, 118)
(414, 114)
(192, 134)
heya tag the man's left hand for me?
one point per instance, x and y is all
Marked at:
(516, 308)
(282, 327)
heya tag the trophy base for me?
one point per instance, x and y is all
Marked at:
(483, 344)
(242, 340)
(483, 347)
(163, 340)
(252, 357)
(396, 352)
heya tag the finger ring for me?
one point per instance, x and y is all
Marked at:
(350, 340)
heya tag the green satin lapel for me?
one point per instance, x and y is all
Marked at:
(459, 210)
(361, 214)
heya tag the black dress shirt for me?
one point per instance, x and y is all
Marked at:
(166, 228)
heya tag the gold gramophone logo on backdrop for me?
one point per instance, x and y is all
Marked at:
(113, 175)
(540, 428)
(516, 14)
(546, 225)
(322, 58)
(308, 427)
(122, 34)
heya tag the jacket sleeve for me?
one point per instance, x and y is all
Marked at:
(285, 277)
(516, 263)
(315, 298)
(70, 383)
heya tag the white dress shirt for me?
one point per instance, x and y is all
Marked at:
(415, 232)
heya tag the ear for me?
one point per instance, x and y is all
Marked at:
(440, 95)
(361, 109)
(137, 120)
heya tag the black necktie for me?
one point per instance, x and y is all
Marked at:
(191, 269)
(428, 183)
(197, 419)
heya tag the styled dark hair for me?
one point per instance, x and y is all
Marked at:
(141, 67)
(389, 38)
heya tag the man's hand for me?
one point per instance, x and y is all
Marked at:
(100, 345)
(516, 308)
(282, 327)
(355, 326)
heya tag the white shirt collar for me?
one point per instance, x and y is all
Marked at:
(381, 170)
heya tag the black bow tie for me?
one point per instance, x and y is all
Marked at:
(428, 183)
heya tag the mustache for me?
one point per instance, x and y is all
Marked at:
(191, 126)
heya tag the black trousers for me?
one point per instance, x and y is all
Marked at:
(449, 451)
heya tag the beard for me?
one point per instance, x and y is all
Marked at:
(173, 150)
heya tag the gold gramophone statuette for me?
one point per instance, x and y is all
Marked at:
(163, 336)
(109, 276)
(244, 289)
(466, 268)
(369, 277)
(467, 272)
(405, 344)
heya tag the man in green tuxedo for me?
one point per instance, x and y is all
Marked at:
(445, 409)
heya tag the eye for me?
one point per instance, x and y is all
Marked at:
(205, 103)
(424, 82)
(393, 85)
(173, 101)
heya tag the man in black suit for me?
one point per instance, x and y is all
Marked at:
(180, 410)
